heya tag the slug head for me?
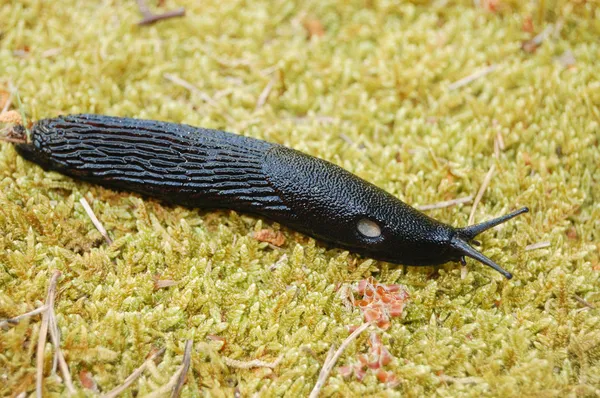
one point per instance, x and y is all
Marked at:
(329, 203)
(433, 242)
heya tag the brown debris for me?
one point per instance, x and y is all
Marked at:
(567, 59)
(527, 25)
(379, 303)
(530, 46)
(87, 381)
(276, 238)
(149, 17)
(163, 283)
(313, 27)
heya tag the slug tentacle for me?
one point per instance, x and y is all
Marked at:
(470, 232)
(198, 167)
(463, 247)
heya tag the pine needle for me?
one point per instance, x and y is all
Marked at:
(95, 220)
(255, 363)
(43, 334)
(331, 360)
(133, 376)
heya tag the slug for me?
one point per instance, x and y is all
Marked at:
(197, 167)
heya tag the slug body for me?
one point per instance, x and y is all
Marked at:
(198, 167)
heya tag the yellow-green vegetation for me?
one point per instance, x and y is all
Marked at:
(372, 94)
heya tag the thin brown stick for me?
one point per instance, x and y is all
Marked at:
(264, 95)
(484, 185)
(15, 320)
(12, 140)
(185, 367)
(472, 77)
(149, 17)
(535, 246)
(447, 203)
(329, 364)
(176, 381)
(44, 333)
(189, 86)
(55, 336)
(582, 301)
(255, 363)
(51, 52)
(133, 376)
(531, 45)
(461, 380)
(193, 89)
(95, 220)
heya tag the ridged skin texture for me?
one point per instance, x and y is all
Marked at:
(198, 167)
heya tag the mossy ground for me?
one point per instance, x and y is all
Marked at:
(372, 95)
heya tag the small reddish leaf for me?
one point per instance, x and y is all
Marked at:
(87, 381)
(313, 27)
(276, 238)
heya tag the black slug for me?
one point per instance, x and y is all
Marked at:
(197, 167)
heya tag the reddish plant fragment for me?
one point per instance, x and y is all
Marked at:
(374, 360)
(275, 238)
(87, 380)
(380, 303)
(313, 27)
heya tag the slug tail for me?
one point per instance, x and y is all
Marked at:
(470, 232)
(468, 251)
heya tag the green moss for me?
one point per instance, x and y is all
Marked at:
(371, 95)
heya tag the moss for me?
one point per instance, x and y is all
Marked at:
(371, 95)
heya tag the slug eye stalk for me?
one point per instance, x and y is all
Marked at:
(467, 234)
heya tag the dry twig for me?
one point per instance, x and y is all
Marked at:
(255, 363)
(264, 95)
(190, 87)
(447, 203)
(484, 185)
(133, 376)
(532, 45)
(195, 90)
(582, 301)
(472, 77)
(95, 220)
(461, 380)
(185, 366)
(44, 333)
(535, 246)
(331, 360)
(58, 355)
(149, 17)
(176, 381)
(15, 320)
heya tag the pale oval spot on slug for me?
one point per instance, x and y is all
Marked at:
(368, 228)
